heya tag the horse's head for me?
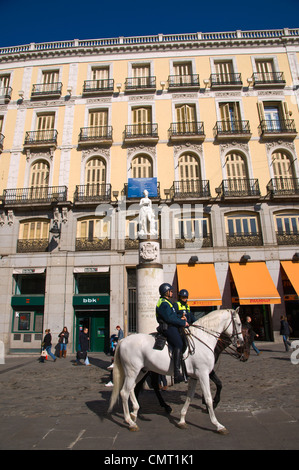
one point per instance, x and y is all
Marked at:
(236, 329)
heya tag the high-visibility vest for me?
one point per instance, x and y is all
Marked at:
(183, 307)
(162, 299)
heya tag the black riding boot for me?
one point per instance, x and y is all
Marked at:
(178, 377)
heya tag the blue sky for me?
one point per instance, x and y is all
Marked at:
(54, 20)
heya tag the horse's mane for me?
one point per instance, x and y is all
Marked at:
(210, 320)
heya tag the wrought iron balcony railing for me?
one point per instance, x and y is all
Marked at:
(95, 134)
(268, 78)
(186, 129)
(232, 128)
(98, 86)
(204, 240)
(39, 138)
(33, 246)
(239, 187)
(244, 239)
(186, 189)
(92, 192)
(183, 81)
(39, 195)
(5, 93)
(93, 244)
(46, 89)
(140, 83)
(277, 127)
(283, 186)
(141, 131)
(287, 238)
(226, 79)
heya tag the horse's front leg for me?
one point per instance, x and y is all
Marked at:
(125, 392)
(218, 384)
(190, 394)
(205, 386)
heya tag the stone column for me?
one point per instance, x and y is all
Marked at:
(149, 278)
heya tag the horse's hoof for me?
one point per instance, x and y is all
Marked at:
(223, 431)
(134, 428)
(182, 426)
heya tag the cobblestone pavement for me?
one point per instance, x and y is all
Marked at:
(59, 406)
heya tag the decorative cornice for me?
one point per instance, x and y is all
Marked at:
(282, 37)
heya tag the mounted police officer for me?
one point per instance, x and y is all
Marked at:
(170, 324)
(182, 308)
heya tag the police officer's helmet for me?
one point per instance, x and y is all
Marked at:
(165, 287)
(184, 293)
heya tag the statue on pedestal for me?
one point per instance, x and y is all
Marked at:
(146, 217)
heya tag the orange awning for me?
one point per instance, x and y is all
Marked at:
(292, 271)
(201, 282)
(254, 284)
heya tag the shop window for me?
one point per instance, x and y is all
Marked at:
(92, 284)
(25, 322)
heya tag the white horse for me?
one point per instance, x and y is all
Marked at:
(135, 356)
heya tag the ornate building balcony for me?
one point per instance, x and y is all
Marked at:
(268, 79)
(140, 84)
(92, 193)
(226, 80)
(239, 188)
(190, 189)
(35, 195)
(41, 139)
(179, 82)
(244, 239)
(33, 246)
(277, 128)
(141, 133)
(283, 187)
(46, 90)
(92, 244)
(287, 238)
(97, 87)
(205, 241)
(100, 135)
(232, 130)
(191, 131)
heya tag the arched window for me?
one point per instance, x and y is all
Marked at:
(282, 165)
(39, 179)
(95, 177)
(235, 166)
(142, 167)
(189, 168)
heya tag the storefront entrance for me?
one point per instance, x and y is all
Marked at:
(97, 322)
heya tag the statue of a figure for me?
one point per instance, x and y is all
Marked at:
(146, 217)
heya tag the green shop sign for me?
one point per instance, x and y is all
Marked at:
(89, 300)
(27, 300)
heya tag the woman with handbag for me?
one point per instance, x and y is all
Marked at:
(48, 344)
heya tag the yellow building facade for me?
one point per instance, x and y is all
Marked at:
(207, 122)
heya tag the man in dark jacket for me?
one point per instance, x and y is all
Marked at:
(83, 346)
(170, 324)
(285, 332)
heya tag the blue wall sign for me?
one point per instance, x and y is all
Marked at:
(136, 186)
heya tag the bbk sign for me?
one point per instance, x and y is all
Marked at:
(90, 300)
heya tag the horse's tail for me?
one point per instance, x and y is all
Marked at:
(118, 378)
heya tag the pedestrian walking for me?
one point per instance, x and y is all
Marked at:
(285, 331)
(47, 344)
(63, 341)
(252, 335)
(83, 348)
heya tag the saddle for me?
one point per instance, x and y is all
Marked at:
(161, 339)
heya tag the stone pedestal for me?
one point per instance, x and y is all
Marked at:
(149, 278)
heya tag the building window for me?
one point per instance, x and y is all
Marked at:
(142, 167)
(186, 118)
(235, 166)
(243, 230)
(189, 167)
(93, 234)
(95, 172)
(230, 116)
(282, 165)
(287, 223)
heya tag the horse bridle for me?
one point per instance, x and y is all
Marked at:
(217, 334)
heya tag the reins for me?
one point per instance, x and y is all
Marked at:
(215, 334)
